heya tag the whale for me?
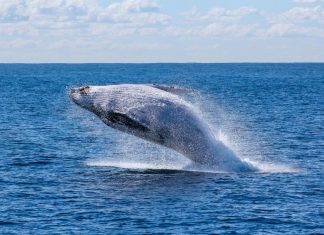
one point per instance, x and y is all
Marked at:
(159, 114)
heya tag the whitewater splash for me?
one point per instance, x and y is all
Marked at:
(262, 167)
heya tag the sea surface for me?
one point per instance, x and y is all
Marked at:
(62, 171)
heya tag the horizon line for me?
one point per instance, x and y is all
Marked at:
(247, 62)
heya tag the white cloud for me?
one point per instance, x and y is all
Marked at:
(54, 12)
(287, 29)
(62, 9)
(134, 6)
(218, 21)
(135, 12)
(219, 14)
(12, 11)
(223, 14)
(297, 21)
(87, 23)
(302, 14)
(221, 29)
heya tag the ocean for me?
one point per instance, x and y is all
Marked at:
(63, 171)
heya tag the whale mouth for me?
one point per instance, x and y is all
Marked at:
(81, 96)
(81, 90)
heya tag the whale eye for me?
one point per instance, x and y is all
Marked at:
(84, 90)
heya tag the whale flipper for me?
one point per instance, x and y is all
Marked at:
(117, 118)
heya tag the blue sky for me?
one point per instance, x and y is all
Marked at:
(161, 31)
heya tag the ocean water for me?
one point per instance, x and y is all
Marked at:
(64, 171)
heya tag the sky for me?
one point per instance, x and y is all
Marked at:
(149, 31)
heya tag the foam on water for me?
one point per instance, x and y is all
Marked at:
(134, 165)
(263, 167)
(152, 166)
(271, 167)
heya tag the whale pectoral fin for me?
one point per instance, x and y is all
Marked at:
(124, 120)
(173, 89)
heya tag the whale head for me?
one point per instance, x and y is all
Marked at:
(82, 96)
(123, 107)
(100, 100)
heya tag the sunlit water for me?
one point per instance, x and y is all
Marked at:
(64, 171)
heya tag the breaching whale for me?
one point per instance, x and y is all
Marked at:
(158, 114)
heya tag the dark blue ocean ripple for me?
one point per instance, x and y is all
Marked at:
(47, 187)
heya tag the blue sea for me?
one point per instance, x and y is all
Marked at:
(63, 171)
